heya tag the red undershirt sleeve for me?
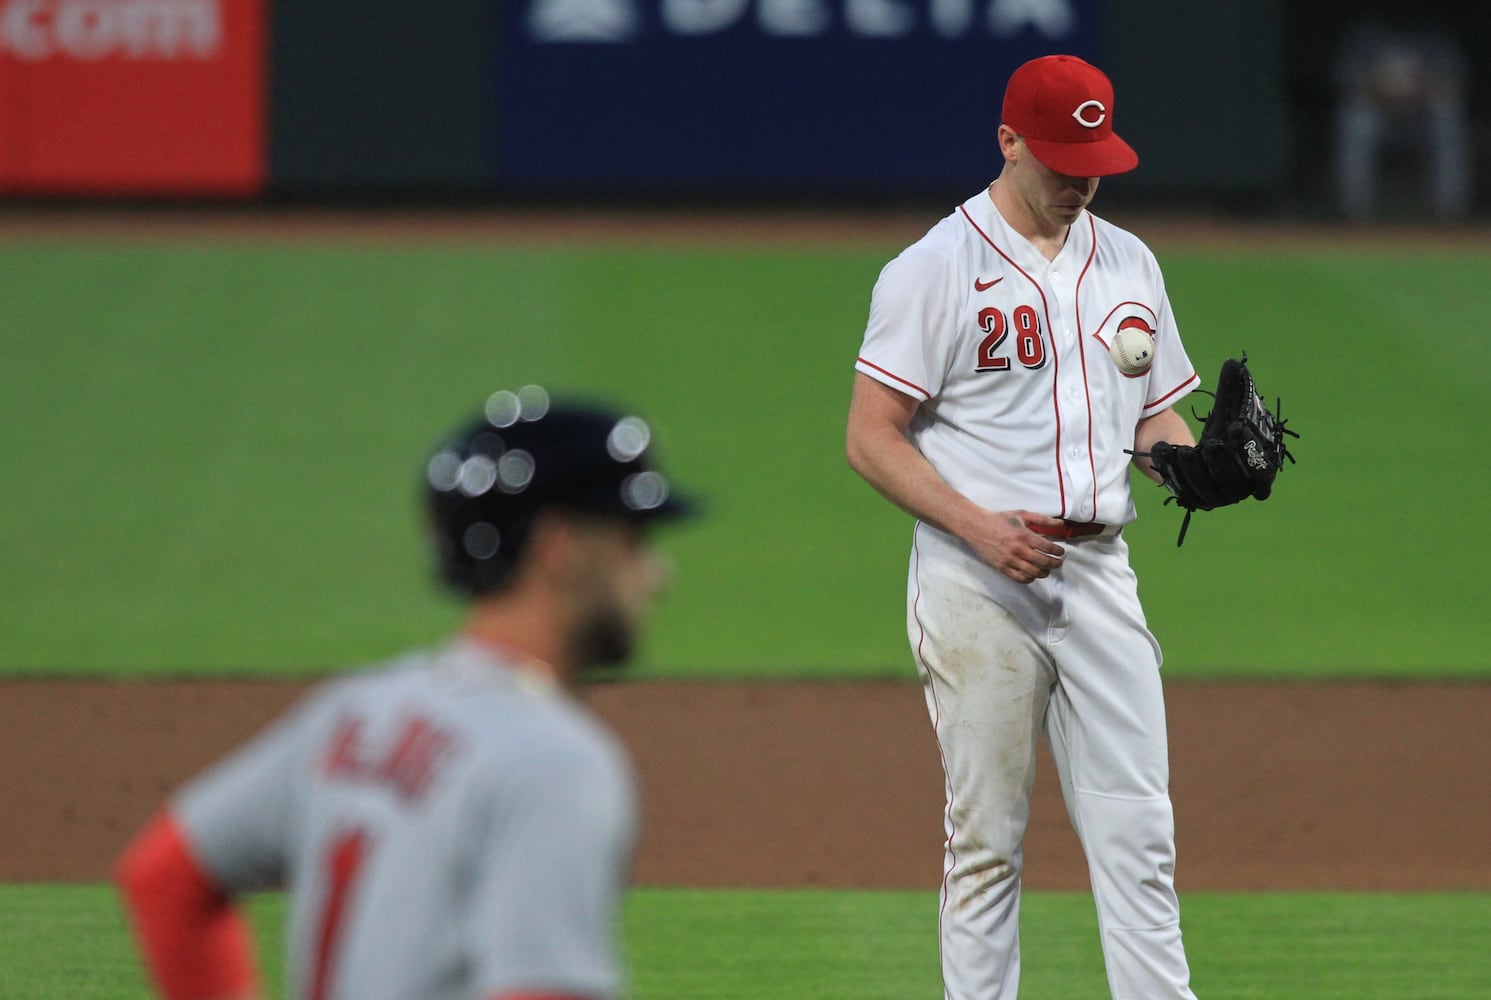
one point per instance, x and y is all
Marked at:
(193, 939)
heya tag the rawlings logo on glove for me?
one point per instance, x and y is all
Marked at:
(1240, 451)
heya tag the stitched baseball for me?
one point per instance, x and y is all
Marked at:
(1132, 351)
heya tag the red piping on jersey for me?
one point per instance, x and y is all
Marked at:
(921, 635)
(1092, 462)
(911, 385)
(1055, 360)
(1188, 382)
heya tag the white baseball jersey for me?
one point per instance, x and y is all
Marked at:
(449, 827)
(1022, 406)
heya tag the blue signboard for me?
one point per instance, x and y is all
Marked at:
(673, 96)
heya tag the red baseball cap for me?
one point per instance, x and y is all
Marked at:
(1063, 108)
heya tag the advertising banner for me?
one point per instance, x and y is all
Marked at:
(132, 97)
(679, 95)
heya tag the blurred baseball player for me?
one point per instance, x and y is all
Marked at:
(986, 404)
(454, 824)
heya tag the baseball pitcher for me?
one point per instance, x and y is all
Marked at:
(1017, 359)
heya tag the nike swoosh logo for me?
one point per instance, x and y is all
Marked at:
(984, 286)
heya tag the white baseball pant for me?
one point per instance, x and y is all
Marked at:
(1069, 655)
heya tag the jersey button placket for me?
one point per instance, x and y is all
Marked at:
(1072, 411)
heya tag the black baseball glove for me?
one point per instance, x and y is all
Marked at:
(1240, 451)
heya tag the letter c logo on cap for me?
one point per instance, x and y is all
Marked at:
(1090, 114)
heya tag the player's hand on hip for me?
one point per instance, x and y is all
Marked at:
(1006, 542)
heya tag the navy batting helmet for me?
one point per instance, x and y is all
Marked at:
(525, 454)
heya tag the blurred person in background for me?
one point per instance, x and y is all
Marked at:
(453, 825)
(1401, 88)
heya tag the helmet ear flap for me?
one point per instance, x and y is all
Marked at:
(484, 558)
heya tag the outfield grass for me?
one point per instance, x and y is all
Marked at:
(211, 453)
(70, 943)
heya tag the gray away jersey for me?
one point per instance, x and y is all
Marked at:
(447, 827)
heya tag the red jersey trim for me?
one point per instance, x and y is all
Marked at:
(892, 375)
(1055, 359)
(1092, 252)
(1163, 400)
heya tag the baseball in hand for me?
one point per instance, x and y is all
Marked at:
(1132, 351)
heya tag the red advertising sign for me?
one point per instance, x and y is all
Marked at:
(132, 97)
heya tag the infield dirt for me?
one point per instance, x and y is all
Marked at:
(1360, 786)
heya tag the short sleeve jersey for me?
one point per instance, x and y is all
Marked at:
(1022, 406)
(447, 828)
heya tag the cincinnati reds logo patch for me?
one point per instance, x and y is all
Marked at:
(1090, 114)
